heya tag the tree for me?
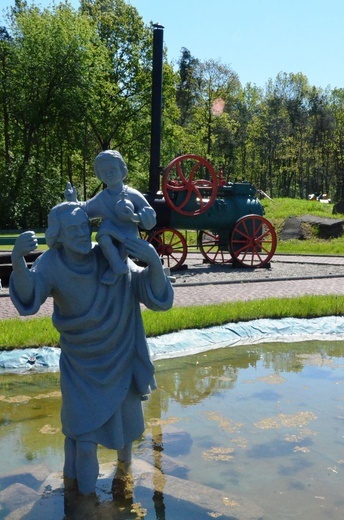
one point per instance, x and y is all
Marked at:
(5, 89)
(48, 63)
(119, 109)
(337, 108)
(217, 87)
(79, 82)
(121, 90)
(278, 130)
(247, 108)
(187, 85)
(321, 123)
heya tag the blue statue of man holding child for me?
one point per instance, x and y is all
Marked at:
(97, 289)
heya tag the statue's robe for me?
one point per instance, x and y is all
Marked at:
(104, 352)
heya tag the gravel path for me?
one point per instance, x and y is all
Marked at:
(282, 267)
(202, 284)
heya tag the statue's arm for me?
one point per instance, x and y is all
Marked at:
(144, 251)
(147, 217)
(22, 278)
(145, 212)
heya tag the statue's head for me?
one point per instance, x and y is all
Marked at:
(110, 162)
(69, 227)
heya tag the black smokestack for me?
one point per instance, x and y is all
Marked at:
(155, 168)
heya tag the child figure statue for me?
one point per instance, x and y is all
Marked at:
(122, 209)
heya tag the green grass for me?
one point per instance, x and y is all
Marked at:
(179, 318)
(277, 210)
(280, 209)
(334, 246)
(35, 332)
(17, 333)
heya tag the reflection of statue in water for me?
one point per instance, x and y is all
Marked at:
(122, 209)
(194, 382)
(105, 365)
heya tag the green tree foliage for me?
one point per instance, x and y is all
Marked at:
(337, 162)
(187, 85)
(287, 139)
(73, 83)
(122, 87)
(49, 56)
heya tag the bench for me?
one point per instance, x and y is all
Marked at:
(9, 236)
(9, 240)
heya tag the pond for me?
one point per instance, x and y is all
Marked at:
(261, 426)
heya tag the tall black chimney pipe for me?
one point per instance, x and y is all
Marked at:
(154, 167)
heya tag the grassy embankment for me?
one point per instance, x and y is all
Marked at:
(39, 331)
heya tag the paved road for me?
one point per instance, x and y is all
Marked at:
(201, 285)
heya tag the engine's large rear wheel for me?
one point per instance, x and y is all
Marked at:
(253, 241)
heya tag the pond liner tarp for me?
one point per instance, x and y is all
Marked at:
(194, 341)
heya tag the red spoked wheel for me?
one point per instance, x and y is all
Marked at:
(253, 241)
(171, 246)
(209, 246)
(190, 185)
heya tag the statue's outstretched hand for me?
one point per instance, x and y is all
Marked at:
(22, 280)
(70, 193)
(25, 243)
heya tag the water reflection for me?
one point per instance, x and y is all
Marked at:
(261, 426)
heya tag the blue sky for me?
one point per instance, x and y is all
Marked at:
(257, 38)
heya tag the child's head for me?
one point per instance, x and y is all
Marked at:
(110, 162)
